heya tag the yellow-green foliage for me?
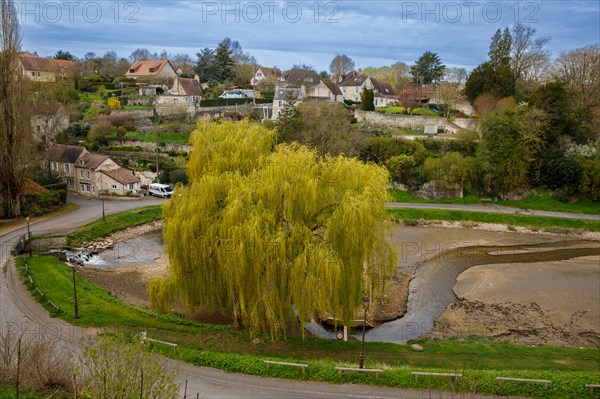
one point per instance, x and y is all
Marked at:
(263, 232)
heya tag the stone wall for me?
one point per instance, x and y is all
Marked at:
(150, 146)
(413, 122)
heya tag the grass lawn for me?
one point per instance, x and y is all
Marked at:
(163, 137)
(550, 224)
(10, 393)
(480, 360)
(414, 111)
(541, 202)
(138, 107)
(119, 221)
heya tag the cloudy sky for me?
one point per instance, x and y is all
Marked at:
(283, 33)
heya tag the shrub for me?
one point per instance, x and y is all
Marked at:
(114, 103)
(101, 132)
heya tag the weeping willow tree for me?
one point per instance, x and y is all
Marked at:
(267, 234)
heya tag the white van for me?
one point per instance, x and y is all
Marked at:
(160, 190)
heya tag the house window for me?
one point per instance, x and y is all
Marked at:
(88, 173)
(114, 187)
(55, 166)
(66, 167)
(82, 187)
(81, 173)
(131, 186)
(344, 90)
(69, 182)
(88, 188)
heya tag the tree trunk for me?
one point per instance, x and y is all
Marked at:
(14, 204)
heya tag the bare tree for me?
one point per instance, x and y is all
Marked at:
(580, 70)
(456, 75)
(49, 118)
(15, 128)
(340, 66)
(528, 60)
(450, 94)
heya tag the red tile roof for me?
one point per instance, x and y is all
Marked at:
(146, 67)
(31, 63)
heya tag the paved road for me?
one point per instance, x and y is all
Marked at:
(19, 312)
(494, 209)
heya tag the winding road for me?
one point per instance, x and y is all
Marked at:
(20, 313)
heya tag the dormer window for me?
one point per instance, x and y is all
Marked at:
(152, 70)
(132, 70)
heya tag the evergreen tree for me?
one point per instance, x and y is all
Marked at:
(205, 65)
(223, 63)
(428, 69)
(367, 100)
(500, 48)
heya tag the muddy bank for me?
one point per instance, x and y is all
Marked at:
(555, 303)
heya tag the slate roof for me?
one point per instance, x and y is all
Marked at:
(288, 94)
(191, 87)
(122, 175)
(382, 87)
(301, 77)
(65, 153)
(270, 72)
(92, 161)
(353, 79)
(335, 90)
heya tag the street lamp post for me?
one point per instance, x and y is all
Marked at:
(27, 219)
(365, 303)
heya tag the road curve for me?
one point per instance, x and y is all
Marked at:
(19, 312)
(491, 208)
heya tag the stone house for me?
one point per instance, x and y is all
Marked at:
(184, 96)
(44, 69)
(62, 160)
(151, 69)
(298, 85)
(353, 84)
(263, 73)
(90, 174)
(284, 97)
(121, 181)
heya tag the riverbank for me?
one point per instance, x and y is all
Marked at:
(432, 260)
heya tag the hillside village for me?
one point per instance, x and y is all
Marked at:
(109, 126)
(411, 229)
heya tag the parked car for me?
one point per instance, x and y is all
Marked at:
(160, 190)
(237, 93)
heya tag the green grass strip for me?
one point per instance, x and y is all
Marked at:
(550, 224)
(119, 221)
(231, 349)
(540, 202)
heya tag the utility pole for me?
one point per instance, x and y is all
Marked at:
(155, 122)
(75, 293)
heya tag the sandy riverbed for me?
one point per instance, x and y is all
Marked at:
(575, 322)
(555, 303)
